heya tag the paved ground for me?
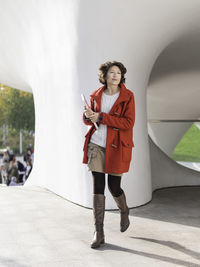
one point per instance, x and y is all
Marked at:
(39, 228)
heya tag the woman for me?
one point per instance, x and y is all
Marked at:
(109, 148)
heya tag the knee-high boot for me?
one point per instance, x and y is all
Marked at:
(124, 211)
(98, 212)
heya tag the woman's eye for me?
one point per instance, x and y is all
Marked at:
(115, 73)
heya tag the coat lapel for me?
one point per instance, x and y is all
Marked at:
(97, 95)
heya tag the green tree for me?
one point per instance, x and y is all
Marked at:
(3, 112)
(20, 112)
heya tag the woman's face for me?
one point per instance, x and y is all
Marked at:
(113, 76)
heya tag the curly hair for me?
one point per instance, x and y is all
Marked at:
(103, 69)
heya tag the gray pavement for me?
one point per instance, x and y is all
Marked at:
(39, 228)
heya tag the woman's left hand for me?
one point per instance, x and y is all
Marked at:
(94, 117)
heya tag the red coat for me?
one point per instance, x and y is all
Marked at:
(120, 121)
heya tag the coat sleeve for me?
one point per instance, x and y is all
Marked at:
(87, 121)
(124, 123)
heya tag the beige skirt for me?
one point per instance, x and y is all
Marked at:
(96, 159)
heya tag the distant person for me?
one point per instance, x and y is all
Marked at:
(21, 170)
(9, 152)
(27, 155)
(6, 157)
(6, 160)
(3, 173)
(13, 181)
(29, 158)
(1, 178)
(29, 168)
(12, 169)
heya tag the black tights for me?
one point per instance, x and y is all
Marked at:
(113, 184)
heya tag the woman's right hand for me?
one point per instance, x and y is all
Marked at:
(88, 111)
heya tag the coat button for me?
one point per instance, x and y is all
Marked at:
(114, 146)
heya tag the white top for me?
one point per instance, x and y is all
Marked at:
(99, 136)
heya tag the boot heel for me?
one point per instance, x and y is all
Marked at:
(103, 241)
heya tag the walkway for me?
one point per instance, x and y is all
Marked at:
(40, 229)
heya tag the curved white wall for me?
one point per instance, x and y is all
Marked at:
(55, 49)
(167, 173)
(173, 94)
(173, 91)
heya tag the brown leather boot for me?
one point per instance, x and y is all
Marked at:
(98, 211)
(124, 211)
